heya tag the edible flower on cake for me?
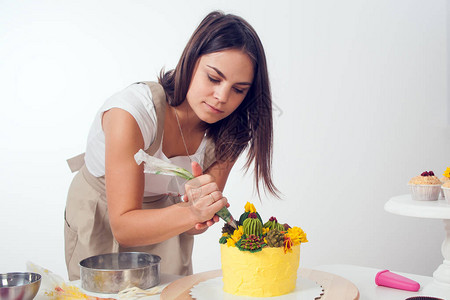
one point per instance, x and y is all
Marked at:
(235, 237)
(297, 235)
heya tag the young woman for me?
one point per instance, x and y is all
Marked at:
(203, 114)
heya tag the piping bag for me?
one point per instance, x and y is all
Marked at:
(155, 165)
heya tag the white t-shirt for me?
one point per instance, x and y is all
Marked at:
(137, 100)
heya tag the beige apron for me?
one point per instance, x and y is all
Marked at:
(87, 231)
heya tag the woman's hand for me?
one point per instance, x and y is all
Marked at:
(204, 198)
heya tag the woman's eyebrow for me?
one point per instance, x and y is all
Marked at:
(224, 77)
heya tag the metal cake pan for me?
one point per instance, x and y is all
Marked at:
(114, 272)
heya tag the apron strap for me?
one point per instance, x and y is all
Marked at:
(210, 154)
(75, 163)
(159, 100)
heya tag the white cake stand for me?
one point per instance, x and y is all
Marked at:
(440, 209)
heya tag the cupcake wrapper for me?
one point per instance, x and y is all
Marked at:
(446, 192)
(425, 192)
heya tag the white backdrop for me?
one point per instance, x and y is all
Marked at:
(361, 96)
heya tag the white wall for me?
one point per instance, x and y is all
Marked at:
(361, 88)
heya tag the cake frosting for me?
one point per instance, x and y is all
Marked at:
(446, 176)
(426, 178)
(260, 259)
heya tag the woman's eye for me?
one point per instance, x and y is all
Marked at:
(238, 91)
(213, 79)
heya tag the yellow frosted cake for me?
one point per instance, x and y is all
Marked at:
(260, 259)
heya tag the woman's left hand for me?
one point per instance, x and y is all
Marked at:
(209, 223)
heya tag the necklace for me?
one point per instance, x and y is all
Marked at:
(182, 136)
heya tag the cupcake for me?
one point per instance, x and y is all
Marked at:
(425, 187)
(446, 190)
(444, 179)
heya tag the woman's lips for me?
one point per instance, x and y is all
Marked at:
(213, 109)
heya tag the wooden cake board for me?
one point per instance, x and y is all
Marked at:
(334, 286)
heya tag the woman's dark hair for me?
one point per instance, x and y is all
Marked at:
(251, 123)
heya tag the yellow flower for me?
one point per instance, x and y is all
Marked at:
(447, 172)
(249, 207)
(297, 235)
(230, 243)
(265, 230)
(225, 234)
(236, 236)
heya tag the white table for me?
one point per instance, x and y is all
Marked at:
(439, 209)
(364, 279)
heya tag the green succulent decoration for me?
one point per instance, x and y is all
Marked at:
(273, 224)
(245, 215)
(227, 228)
(252, 225)
(275, 238)
(251, 243)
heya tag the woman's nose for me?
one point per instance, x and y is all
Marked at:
(221, 93)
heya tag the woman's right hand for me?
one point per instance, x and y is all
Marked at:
(204, 197)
